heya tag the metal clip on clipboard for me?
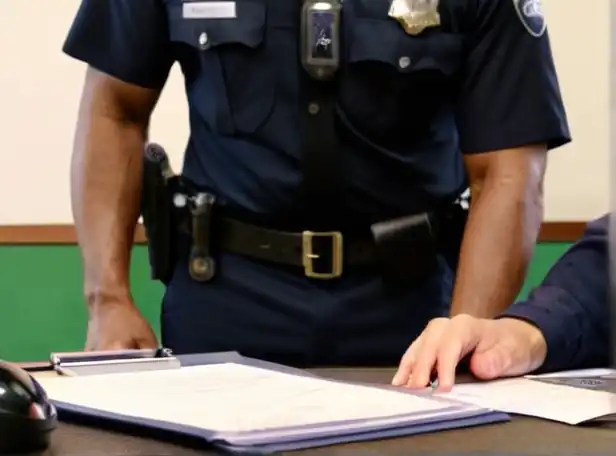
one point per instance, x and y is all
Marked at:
(112, 362)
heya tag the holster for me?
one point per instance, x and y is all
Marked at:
(157, 212)
(407, 249)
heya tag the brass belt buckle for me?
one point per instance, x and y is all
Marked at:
(309, 256)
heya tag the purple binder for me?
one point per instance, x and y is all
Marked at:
(454, 416)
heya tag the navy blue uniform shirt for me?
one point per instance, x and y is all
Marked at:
(571, 305)
(409, 107)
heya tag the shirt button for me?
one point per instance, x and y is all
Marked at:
(314, 108)
(203, 40)
(404, 62)
(179, 200)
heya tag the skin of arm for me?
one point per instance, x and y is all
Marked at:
(106, 169)
(503, 225)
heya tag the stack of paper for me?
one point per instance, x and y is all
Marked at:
(243, 407)
(572, 397)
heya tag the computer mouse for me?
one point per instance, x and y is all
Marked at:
(27, 418)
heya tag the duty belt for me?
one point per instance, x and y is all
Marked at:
(321, 255)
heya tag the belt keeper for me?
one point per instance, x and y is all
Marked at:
(201, 264)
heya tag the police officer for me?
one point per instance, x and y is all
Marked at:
(564, 324)
(413, 102)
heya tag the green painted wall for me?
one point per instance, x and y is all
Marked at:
(41, 307)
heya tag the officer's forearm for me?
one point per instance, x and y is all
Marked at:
(499, 240)
(105, 189)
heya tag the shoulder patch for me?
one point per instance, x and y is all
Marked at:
(531, 15)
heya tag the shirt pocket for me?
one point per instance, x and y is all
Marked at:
(395, 83)
(229, 76)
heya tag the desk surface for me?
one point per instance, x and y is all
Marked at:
(522, 436)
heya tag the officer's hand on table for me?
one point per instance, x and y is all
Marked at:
(500, 348)
(118, 326)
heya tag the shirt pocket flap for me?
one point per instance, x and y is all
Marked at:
(247, 28)
(384, 41)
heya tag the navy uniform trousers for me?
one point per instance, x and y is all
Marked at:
(277, 314)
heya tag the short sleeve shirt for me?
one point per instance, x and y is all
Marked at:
(408, 107)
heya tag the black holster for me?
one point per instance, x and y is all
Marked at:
(158, 215)
(407, 250)
(408, 247)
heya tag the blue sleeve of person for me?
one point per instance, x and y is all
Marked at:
(509, 93)
(571, 306)
(128, 40)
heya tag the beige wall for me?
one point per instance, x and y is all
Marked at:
(39, 90)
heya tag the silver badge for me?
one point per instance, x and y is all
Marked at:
(531, 15)
(415, 16)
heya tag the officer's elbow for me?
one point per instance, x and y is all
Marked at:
(518, 173)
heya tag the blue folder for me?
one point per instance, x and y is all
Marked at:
(271, 441)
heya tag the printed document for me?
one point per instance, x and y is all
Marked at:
(598, 372)
(235, 398)
(540, 397)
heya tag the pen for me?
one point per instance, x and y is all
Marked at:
(433, 380)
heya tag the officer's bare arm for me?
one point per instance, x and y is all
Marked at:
(106, 179)
(503, 226)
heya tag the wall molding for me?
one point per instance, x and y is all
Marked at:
(65, 234)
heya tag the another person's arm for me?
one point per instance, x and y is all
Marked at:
(126, 48)
(571, 306)
(510, 113)
(564, 324)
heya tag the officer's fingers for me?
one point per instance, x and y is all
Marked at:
(505, 358)
(424, 367)
(115, 341)
(447, 359)
(463, 335)
(148, 343)
(493, 355)
(491, 363)
(457, 345)
(121, 345)
(425, 357)
(515, 348)
(406, 364)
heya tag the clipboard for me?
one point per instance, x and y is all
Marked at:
(458, 416)
(112, 362)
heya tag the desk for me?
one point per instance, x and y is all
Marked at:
(522, 436)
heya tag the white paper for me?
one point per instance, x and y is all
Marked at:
(533, 398)
(578, 373)
(234, 398)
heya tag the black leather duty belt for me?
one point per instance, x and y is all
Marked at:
(322, 255)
